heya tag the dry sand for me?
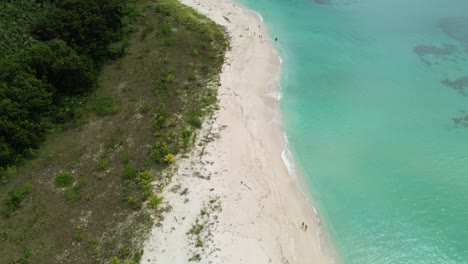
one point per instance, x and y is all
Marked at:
(247, 206)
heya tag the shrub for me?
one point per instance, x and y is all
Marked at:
(148, 29)
(116, 50)
(160, 118)
(63, 180)
(186, 134)
(192, 77)
(196, 229)
(160, 150)
(169, 158)
(5, 173)
(198, 243)
(155, 201)
(14, 199)
(102, 164)
(115, 260)
(134, 202)
(209, 99)
(126, 158)
(105, 106)
(165, 29)
(124, 252)
(3, 236)
(169, 41)
(170, 78)
(145, 107)
(130, 172)
(145, 177)
(79, 236)
(196, 257)
(71, 195)
(194, 120)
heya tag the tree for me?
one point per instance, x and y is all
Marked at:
(24, 106)
(67, 71)
(88, 26)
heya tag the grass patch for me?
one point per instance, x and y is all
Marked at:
(14, 199)
(79, 236)
(105, 106)
(130, 172)
(196, 229)
(195, 257)
(63, 180)
(194, 120)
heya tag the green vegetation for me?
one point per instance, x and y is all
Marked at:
(50, 54)
(169, 158)
(105, 106)
(196, 257)
(63, 180)
(112, 115)
(200, 232)
(79, 236)
(14, 199)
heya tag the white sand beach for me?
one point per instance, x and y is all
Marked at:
(248, 208)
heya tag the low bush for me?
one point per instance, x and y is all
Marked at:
(130, 172)
(160, 150)
(63, 180)
(14, 200)
(105, 106)
(155, 201)
(186, 135)
(194, 120)
(169, 158)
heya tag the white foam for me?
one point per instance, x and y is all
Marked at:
(287, 158)
(281, 60)
(259, 16)
(277, 95)
(274, 88)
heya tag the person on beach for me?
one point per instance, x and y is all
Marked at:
(305, 228)
(302, 227)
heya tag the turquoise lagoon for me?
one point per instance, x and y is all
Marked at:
(375, 107)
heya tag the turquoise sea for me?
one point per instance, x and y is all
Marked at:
(375, 107)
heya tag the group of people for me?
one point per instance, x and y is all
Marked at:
(304, 226)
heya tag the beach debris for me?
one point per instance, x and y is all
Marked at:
(200, 176)
(246, 185)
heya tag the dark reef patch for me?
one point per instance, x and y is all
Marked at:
(423, 50)
(462, 121)
(323, 2)
(456, 28)
(458, 85)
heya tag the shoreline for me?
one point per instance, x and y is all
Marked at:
(241, 167)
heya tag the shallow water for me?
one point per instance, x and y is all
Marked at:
(375, 106)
